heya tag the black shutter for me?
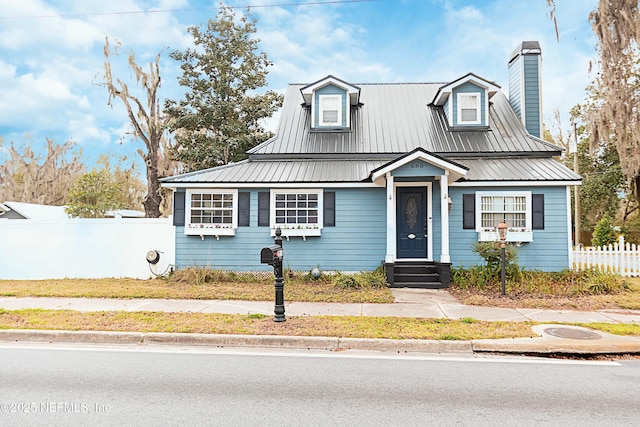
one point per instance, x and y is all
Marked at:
(178, 207)
(537, 211)
(243, 208)
(469, 211)
(329, 207)
(263, 208)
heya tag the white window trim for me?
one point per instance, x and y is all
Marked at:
(290, 230)
(211, 229)
(321, 101)
(478, 95)
(513, 235)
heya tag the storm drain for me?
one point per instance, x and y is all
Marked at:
(574, 334)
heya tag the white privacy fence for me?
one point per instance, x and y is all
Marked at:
(620, 257)
(84, 248)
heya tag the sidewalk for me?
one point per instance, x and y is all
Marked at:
(414, 303)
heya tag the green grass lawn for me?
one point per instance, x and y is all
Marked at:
(296, 289)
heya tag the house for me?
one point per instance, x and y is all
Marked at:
(405, 175)
(21, 210)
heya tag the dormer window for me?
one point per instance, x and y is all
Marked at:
(469, 108)
(330, 107)
(331, 101)
(465, 102)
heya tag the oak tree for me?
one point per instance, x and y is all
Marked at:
(616, 23)
(147, 121)
(31, 177)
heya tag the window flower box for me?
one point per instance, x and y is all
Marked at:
(303, 231)
(209, 230)
(513, 235)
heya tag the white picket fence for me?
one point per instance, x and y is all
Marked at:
(84, 248)
(620, 257)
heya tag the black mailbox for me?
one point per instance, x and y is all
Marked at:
(271, 254)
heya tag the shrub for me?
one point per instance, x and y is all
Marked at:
(344, 281)
(604, 233)
(491, 252)
(596, 282)
(374, 279)
(366, 279)
(203, 275)
(567, 282)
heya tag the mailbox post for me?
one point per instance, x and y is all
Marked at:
(272, 255)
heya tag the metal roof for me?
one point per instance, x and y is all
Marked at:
(290, 171)
(394, 119)
(344, 171)
(391, 121)
(517, 169)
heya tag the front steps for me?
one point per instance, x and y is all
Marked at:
(418, 274)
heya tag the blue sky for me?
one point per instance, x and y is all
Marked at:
(51, 53)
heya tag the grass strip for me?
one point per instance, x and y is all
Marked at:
(158, 288)
(258, 324)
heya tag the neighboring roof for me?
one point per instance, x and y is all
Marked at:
(124, 213)
(36, 211)
(395, 119)
(46, 212)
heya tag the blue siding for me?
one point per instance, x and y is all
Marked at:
(469, 88)
(549, 250)
(330, 90)
(446, 110)
(357, 242)
(417, 168)
(526, 67)
(532, 94)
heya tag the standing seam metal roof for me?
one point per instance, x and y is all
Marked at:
(392, 120)
(397, 118)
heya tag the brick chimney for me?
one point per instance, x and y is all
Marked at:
(525, 89)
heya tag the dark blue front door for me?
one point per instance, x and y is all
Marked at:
(412, 222)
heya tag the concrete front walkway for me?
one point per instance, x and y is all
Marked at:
(414, 303)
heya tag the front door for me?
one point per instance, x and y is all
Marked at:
(412, 222)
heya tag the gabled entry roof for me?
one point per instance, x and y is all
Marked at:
(454, 170)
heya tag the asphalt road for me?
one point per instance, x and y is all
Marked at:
(56, 385)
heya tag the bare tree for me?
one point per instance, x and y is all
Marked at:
(31, 178)
(147, 121)
(617, 26)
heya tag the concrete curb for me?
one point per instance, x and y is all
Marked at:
(544, 347)
(541, 345)
(94, 337)
(401, 346)
(218, 340)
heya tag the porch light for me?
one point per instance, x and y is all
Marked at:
(502, 229)
(449, 202)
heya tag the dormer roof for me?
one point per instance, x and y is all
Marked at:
(353, 91)
(445, 91)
